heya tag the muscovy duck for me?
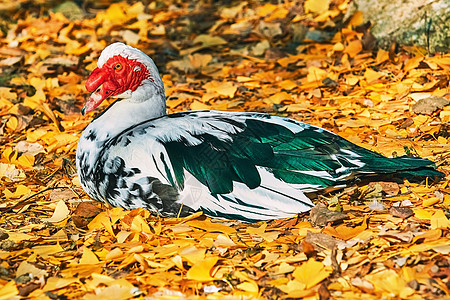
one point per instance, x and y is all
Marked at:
(233, 165)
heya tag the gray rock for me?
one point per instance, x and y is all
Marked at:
(423, 23)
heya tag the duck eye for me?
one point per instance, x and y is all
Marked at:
(118, 66)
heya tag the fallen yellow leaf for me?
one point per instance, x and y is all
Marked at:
(287, 84)
(257, 230)
(193, 254)
(12, 123)
(222, 88)
(357, 18)
(197, 105)
(344, 232)
(19, 192)
(316, 74)
(55, 283)
(116, 13)
(113, 254)
(46, 250)
(223, 240)
(178, 261)
(439, 220)
(25, 160)
(101, 221)
(279, 97)
(18, 236)
(353, 48)
(9, 290)
(122, 236)
(140, 225)
(114, 291)
(210, 226)
(316, 6)
(266, 9)
(116, 214)
(199, 60)
(311, 273)
(202, 270)
(285, 268)
(249, 286)
(428, 236)
(27, 268)
(99, 279)
(61, 212)
(88, 257)
(390, 282)
(209, 40)
(423, 214)
(430, 201)
(412, 63)
(292, 286)
(372, 75)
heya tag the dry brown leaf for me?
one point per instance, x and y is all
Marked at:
(321, 215)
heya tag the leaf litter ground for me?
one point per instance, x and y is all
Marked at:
(381, 240)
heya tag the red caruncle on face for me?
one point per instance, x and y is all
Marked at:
(118, 75)
(126, 74)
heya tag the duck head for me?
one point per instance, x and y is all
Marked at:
(122, 72)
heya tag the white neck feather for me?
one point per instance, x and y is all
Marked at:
(145, 103)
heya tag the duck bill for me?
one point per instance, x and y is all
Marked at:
(102, 85)
(94, 101)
